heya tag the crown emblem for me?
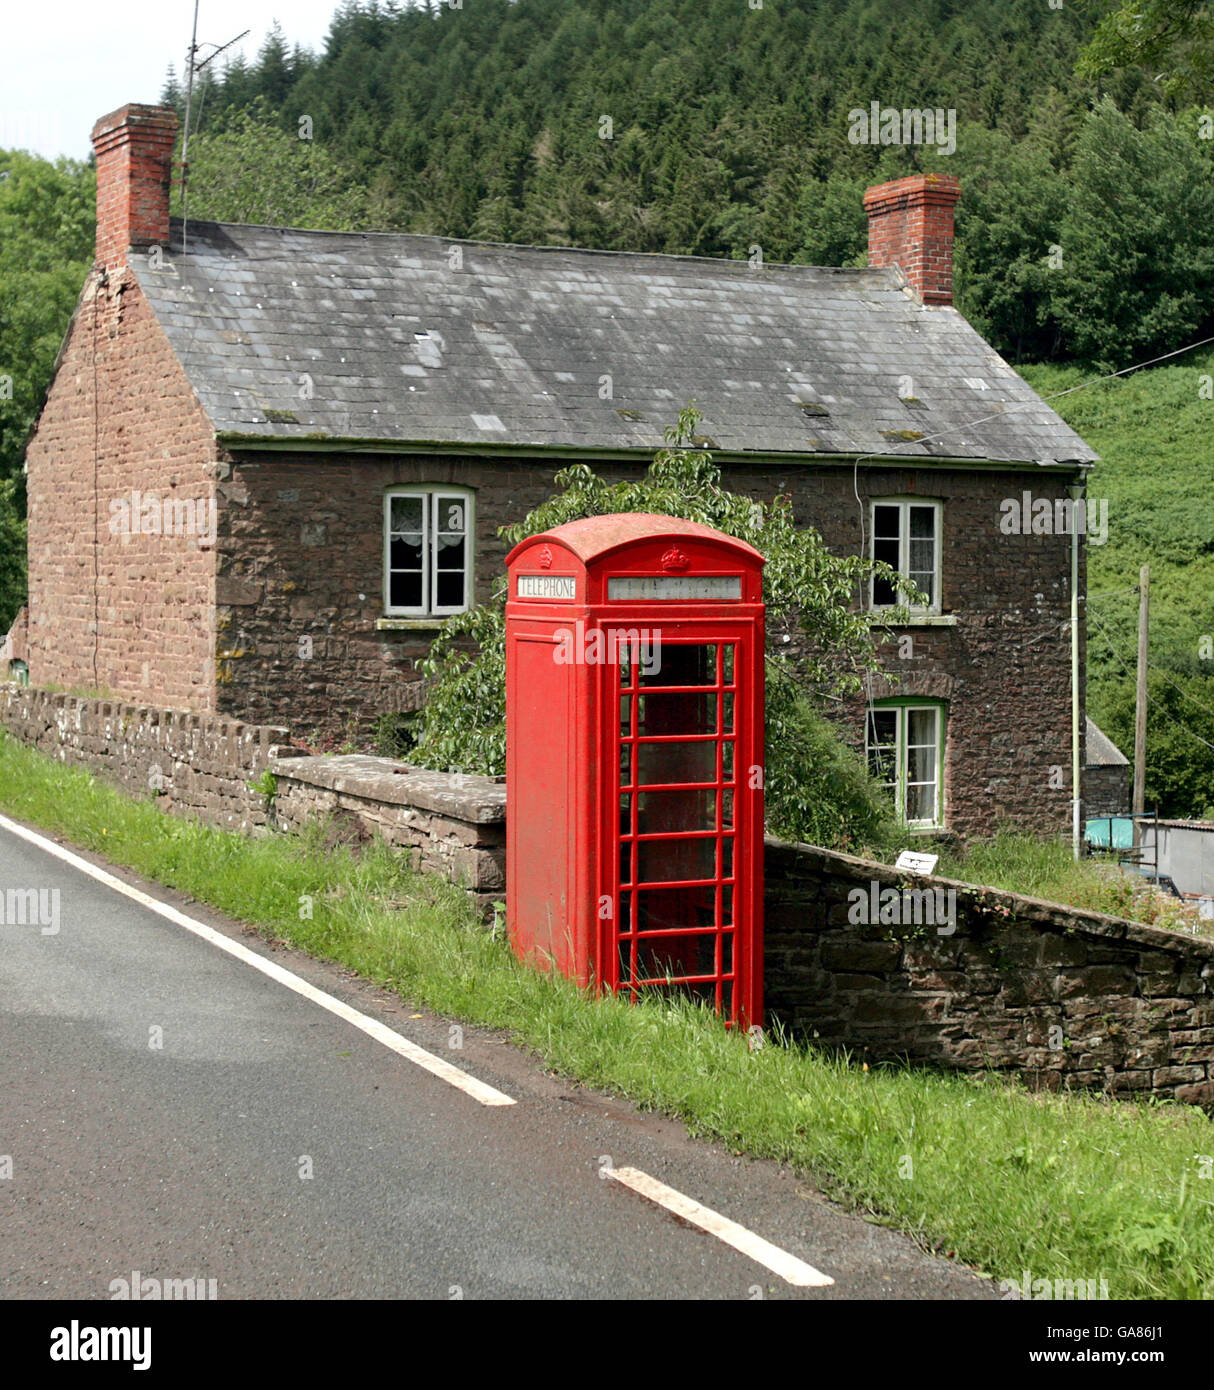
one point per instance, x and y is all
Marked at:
(674, 559)
(545, 560)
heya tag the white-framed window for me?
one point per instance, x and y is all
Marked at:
(905, 745)
(906, 536)
(428, 534)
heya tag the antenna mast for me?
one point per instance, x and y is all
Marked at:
(194, 67)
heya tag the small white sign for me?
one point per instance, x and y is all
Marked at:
(917, 863)
(707, 586)
(560, 586)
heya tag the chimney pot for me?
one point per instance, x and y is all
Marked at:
(910, 225)
(134, 148)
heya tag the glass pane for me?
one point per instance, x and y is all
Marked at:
(660, 957)
(922, 522)
(921, 726)
(920, 764)
(683, 664)
(688, 909)
(727, 905)
(404, 590)
(921, 802)
(727, 762)
(625, 861)
(406, 514)
(727, 857)
(625, 764)
(886, 552)
(679, 713)
(727, 725)
(922, 556)
(887, 522)
(452, 514)
(668, 812)
(625, 715)
(883, 593)
(727, 808)
(405, 552)
(677, 762)
(665, 861)
(727, 665)
(882, 726)
(451, 589)
(450, 552)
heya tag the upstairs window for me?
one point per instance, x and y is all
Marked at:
(906, 755)
(427, 551)
(906, 536)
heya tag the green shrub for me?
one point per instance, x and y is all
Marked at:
(818, 789)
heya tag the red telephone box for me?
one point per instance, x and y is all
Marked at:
(634, 755)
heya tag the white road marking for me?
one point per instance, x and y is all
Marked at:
(478, 1090)
(788, 1267)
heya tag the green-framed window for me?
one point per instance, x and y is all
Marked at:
(905, 744)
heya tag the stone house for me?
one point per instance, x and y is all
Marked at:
(272, 463)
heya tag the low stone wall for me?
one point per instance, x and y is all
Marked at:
(986, 980)
(1063, 997)
(197, 764)
(448, 823)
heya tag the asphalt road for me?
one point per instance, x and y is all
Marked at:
(189, 1159)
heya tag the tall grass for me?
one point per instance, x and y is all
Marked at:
(1045, 868)
(1064, 1186)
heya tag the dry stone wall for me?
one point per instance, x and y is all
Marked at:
(985, 980)
(1062, 997)
(197, 764)
(448, 824)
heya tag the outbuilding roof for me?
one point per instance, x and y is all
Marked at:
(309, 337)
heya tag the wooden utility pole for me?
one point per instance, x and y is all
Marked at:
(1140, 703)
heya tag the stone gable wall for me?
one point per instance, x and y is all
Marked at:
(129, 615)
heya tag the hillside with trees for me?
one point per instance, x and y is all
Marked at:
(711, 127)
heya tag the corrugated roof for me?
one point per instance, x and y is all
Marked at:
(302, 335)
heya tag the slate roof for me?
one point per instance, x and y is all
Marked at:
(510, 349)
(1101, 750)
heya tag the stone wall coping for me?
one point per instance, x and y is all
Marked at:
(108, 708)
(479, 800)
(1058, 916)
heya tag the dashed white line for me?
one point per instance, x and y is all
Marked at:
(788, 1267)
(478, 1090)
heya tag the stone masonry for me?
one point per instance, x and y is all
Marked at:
(450, 825)
(197, 764)
(1061, 997)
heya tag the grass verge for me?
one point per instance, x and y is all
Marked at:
(1045, 868)
(1063, 1186)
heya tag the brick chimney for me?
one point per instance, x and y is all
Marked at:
(134, 148)
(910, 224)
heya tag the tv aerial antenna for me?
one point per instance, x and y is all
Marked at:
(194, 66)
